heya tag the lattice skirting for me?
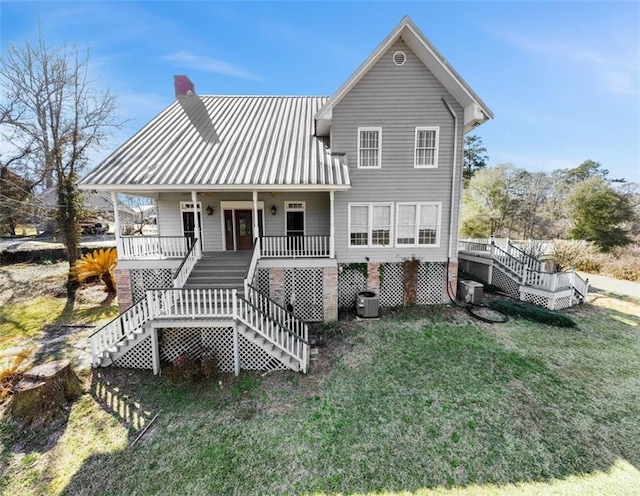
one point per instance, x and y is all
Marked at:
(350, 282)
(481, 271)
(547, 301)
(391, 284)
(193, 341)
(431, 284)
(261, 281)
(143, 279)
(505, 283)
(303, 288)
(138, 357)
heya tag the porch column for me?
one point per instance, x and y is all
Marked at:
(116, 218)
(196, 221)
(256, 232)
(332, 228)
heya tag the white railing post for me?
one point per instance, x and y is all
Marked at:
(234, 304)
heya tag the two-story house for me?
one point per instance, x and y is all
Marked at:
(274, 211)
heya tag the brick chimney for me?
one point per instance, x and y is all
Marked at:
(183, 86)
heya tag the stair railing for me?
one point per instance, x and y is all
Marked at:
(124, 324)
(188, 263)
(509, 261)
(251, 269)
(295, 345)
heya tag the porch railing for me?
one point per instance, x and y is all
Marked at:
(153, 247)
(295, 246)
(191, 302)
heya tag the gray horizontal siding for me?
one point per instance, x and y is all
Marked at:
(397, 99)
(170, 218)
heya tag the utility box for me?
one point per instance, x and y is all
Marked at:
(367, 305)
(470, 292)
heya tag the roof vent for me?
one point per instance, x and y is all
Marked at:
(399, 58)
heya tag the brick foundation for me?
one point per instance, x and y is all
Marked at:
(276, 285)
(330, 294)
(373, 277)
(123, 285)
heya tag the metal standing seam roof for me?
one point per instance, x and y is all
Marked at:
(218, 141)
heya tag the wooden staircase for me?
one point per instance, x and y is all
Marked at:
(223, 270)
(522, 276)
(213, 291)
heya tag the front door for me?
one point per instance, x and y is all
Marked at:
(189, 226)
(244, 229)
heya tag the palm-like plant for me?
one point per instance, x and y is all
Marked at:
(99, 263)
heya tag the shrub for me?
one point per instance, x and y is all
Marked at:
(576, 254)
(191, 368)
(623, 264)
(99, 263)
(531, 312)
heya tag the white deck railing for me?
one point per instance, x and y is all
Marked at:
(187, 265)
(123, 325)
(251, 270)
(290, 334)
(295, 246)
(153, 247)
(296, 345)
(527, 269)
(191, 303)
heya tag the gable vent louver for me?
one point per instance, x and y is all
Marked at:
(399, 58)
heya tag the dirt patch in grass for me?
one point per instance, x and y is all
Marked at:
(36, 314)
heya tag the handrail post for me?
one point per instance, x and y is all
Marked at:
(234, 303)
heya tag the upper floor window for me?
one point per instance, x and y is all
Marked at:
(426, 151)
(418, 224)
(370, 224)
(369, 147)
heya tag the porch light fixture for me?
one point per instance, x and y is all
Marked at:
(209, 210)
(273, 210)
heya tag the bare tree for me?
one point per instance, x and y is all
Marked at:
(50, 109)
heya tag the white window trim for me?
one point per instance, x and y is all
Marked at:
(379, 129)
(302, 209)
(437, 147)
(370, 224)
(417, 228)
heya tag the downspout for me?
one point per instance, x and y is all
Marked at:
(453, 176)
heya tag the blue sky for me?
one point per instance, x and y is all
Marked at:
(563, 78)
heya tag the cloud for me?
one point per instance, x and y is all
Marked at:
(195, 62)
(612, 63)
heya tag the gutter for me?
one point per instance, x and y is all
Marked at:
(453, 176)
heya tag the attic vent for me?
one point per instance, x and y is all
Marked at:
(399, 58)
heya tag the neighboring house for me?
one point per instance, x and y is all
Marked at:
(98, 206)
(297, 203)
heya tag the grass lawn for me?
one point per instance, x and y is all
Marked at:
(423, 401)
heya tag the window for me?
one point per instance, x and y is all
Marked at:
(294, 218)
(417, 224)
(370, 224)
(369, 146)
(426, 154)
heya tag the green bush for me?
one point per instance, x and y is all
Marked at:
(531, 312)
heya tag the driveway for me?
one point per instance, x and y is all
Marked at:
(611, 285)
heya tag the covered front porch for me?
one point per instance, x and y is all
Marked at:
(284, 224)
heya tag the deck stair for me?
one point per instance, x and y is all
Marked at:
(214, 291)
(521, 275)
(225, 270)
